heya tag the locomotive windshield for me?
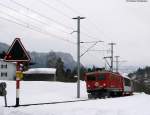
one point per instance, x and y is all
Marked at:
(127, 82)
(91, 78)
(101, 77)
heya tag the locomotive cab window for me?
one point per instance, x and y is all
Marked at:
(101, 77)
(127, 82)
(91, 78)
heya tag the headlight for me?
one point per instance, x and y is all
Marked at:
(104, 84)
(96, 84)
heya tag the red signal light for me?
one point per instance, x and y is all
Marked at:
(9, 56)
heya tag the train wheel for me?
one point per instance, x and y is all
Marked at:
(106, 95)
(90, 96)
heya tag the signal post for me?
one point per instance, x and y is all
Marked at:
(17, 53)
(19, 75)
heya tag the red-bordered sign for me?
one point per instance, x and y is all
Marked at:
(17, 52)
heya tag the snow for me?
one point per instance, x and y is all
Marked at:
(40, 92)
(125, 75)
(41, 70)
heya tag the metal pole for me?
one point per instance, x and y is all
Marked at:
(78, 54)
(5, 101)
(112, 55)
(17, 84)
(117, 63)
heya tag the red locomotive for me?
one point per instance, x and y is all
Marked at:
(107, 84)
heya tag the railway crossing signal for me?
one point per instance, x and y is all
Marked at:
(17, 53)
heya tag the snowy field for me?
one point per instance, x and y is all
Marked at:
(43, 92)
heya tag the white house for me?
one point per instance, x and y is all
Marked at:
(7, 70)
(40, 74)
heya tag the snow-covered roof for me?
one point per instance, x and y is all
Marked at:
(125, 75)
(41, 70)
(3, 61)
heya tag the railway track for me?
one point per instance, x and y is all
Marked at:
(51, 103)
(57, 102)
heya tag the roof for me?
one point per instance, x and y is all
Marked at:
(41, 71)
(124, 75)
(3, 61)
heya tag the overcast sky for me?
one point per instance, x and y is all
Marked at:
(45, 25)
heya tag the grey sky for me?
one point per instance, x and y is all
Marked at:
(125, 23)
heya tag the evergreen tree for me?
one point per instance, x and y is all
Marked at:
(68, 73)
(60, 69)
(82, 72)
(94, 68)
(52, 60)
(141, 79)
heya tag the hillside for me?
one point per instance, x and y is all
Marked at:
(3, 47)
(41, 59)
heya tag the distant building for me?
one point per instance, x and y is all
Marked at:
(7, 70)
(40, 74)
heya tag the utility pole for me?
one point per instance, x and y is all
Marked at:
(78, 54)
(112, 54)
(117, 63)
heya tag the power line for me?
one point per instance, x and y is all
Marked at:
(92, 41)
(62, 13)
(32, 27)
(89, 36)
(67, 6)
(90, 48)
(30, 17)
(49, 6)
(41, 15)
(78, 13)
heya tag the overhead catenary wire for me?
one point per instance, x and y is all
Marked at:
(55, 9)
(90, 48)
(41, 15)
(32, 27)
(68, 27)
(77, 13)
(30, 17)
(92, 41)
(89, 20)
(27, 25)
(67, 6)
(62, 13)
(43, 23)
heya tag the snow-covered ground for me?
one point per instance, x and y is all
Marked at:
(41, 92)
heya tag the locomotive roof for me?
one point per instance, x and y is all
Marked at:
(88, 73)
(123, 75)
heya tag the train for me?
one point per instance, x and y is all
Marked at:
(102, 84)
